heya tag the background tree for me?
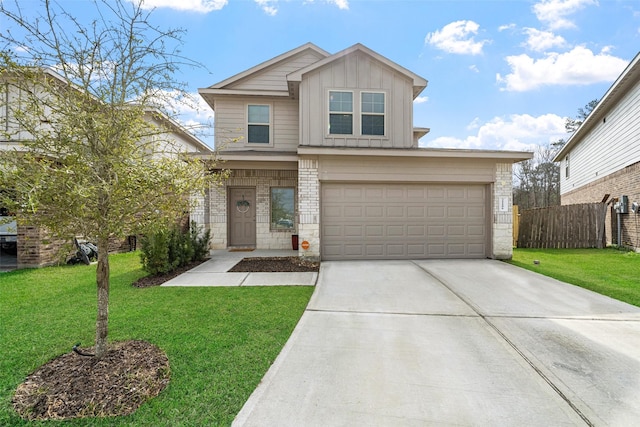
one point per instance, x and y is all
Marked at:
(572, 124)
(90, 162)
(537, 180)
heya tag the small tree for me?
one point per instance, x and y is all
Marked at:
(89, 160)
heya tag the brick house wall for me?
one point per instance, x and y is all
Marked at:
(262, 180)
(37, 249)
(623, 182)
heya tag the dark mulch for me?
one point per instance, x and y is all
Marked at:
(74, 386)
(159, 279)
(275, 264)
(247, 265)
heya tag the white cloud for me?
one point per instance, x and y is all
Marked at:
(518, 132)
(580, 66)
(421, 100)
(554, 13)
(268, 6)
(541, 41)
(200, 6)
(457, 37)
(506, 27)
(474, 68)
(342, 4)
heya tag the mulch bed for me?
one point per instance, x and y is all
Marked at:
(74, 386)
(159, 279)
(275, 264)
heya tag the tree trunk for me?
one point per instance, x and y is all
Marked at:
(102, 281)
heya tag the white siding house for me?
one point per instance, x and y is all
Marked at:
(602, 157)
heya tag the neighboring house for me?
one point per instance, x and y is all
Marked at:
(34, 247)
(602, 157)
(323, 146)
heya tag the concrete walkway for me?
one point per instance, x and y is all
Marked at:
(215, 272)
(401, 343)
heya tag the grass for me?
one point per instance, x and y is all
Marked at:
(609, 271)
(220, 341)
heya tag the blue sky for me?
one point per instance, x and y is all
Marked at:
(502, 74)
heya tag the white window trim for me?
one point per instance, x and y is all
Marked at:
(352, 112)
(384, 114)
(356, 114)
(246, 133)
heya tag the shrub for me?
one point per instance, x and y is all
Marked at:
(154, 253)
(166, 250)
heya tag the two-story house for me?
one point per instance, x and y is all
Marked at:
(323, 146)
(32, 245)
(602, 158)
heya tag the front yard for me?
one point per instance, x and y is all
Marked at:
(220, 341)
(607, 271)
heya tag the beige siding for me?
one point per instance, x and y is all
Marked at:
(358, 72)
(275, 77)
(610, 146)
(231, 123)
(406, 170)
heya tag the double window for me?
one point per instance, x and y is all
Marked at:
(372, 113)
(259, 124)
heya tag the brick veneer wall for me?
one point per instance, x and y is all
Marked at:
(309, 205)
(502, 227)
(37, 249)
(623, 182)
(262, 180)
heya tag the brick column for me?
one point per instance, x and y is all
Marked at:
(309, 208)
(502, 227)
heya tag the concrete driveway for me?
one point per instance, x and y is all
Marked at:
(479, 342)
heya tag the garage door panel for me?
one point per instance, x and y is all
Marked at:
(400, 221)
(374, 231)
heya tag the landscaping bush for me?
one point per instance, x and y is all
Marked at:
(166, 250)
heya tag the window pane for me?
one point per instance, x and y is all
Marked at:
(373, 102)
(341, 101)
(259, 114)
(372, 125)
(282, 208)
(341, 124)
(258, 134)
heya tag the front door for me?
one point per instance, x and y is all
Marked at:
(242, 217)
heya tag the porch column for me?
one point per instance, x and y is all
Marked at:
(503, 219)
(309, 208)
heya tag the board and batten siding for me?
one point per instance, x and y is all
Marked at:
(275, 77)
(610, 146)
(231, 123)
(381, 169)
(358, 72)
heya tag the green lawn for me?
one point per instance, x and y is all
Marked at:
(220, 341)
(607, 271)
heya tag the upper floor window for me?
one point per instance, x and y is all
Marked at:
(372, 110)
(258, 124)
(341, 113)
(566, 167)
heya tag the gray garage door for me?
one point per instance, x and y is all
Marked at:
(403, 221)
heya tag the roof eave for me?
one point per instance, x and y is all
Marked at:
(629, 77)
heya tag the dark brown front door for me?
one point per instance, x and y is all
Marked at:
(242, 217)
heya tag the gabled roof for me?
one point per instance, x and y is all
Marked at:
(629, 77)
(419, 83)
(170, 122)
(260, 67)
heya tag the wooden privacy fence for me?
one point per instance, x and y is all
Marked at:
(567, 226)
